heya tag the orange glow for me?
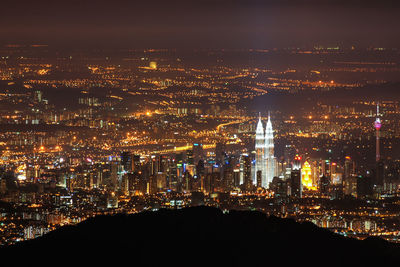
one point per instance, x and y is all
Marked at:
(306, 176)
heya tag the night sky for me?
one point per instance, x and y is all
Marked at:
(201, 24)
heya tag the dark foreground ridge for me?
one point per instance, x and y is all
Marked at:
(198, 236)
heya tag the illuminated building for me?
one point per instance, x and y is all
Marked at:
(236, 177)
(306, 176)
(258, 178)
(21, 172)
(260, 147)
(270, 160)
(349, 178)
(296, 165)
(265, 158)
(153, 65)
(350, 186)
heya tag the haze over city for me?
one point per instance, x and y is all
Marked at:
(200, 24)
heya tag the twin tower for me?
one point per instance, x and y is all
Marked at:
(265, 165)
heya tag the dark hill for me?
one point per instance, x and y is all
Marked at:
(198, 236)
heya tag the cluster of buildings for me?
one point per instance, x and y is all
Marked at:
(300, 176)
(149, 130)
(54, 188)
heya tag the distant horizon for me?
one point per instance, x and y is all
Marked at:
(224, 23)
(321, 46)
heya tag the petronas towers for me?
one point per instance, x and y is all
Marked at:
(265, 165)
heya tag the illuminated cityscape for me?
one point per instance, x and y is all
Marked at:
(142, 142)
(308, 131)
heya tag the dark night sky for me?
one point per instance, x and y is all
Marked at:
(202, 23)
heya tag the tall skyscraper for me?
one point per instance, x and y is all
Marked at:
(296, 187)
(270, 160)
(265, 158)
(126, 161)
(245, 171)
(260, 149)
(306, 176)
(198, 153)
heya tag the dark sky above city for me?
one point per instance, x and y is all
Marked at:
(201, 24)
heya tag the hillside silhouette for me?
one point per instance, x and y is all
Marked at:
(198, 236)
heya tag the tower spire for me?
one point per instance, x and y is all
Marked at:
(260, 148)
(269, 153)
(377, 110)
(377, 125)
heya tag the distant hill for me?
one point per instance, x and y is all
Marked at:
(198, 236)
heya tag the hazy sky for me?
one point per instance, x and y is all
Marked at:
(202, 23)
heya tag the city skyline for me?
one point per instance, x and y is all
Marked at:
(282, 114)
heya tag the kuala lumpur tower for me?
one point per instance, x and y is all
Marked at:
(377, 125)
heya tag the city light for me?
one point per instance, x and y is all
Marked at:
(291, 131)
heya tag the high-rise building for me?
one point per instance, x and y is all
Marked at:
(270, 168)
(219, 153)
(136, 163)
(296, 165)
(265, 158)
(365, 185)
(190, 157)
(350, 185)
(245, 168)
(260, 166)
(296, 187)
(198, 153)
(114, 174)
(306, 176)
(236, 177)
(259, 178)
(324, 183)
(126, 161)
(349, 178)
